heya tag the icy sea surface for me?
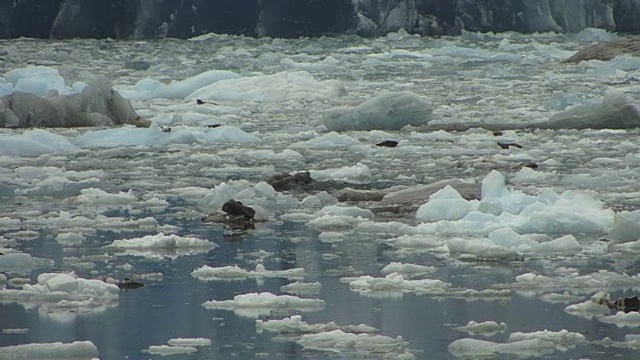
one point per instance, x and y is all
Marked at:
(517, 267)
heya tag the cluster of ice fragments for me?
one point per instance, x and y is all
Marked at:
(60, 294)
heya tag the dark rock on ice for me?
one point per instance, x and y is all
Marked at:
(285, 181)
(388, 143)
(627, 304)
(137, 64)
(237, 208)
(506, 145)
(607, 51)
(212, 125)
(202, 102)
(129, 284)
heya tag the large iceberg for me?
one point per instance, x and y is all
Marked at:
(390, 111)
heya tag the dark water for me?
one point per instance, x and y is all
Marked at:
(172, 308)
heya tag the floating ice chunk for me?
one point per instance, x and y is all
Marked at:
(234, 272)
(151, 89)
(620, 319)
(295, 325)
(483, 249)
(257, 304)
(567, 243)
(565, 297)
(340, 341)
(493, 185)
(170, 350)
(75, 350)
(561, 101)
(395, 285)
(36, 142)
(575, 283)
(588, 309)
(487, 328)
(548, 212)
(284, 86)
(261, 194)
(329, 140)
(335, 222)
(626, 226)
(37, 80)
(390, 111)
(519, 344)
(161, 245)
(93, 197)
(302, 288)
(193, 342)
(357, 174)
(445, 204)
(595, 35)
(353, 211)
(154, 136)
(616, 111)
(16, 263)
(408, 270)
(270, 155)
(59, 293)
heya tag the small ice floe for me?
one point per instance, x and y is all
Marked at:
(253, 305)
(179, 346)
(327, 141)
(395, 285)
(165, 350)
(626, 228)
(519, 344)
(408, 270)
(302, 288)
(622, 319)
(338, 341)
(569, 279)
(356, 174)
(556, 298)
(85, 350)
(161, 245)
(64, 293)
(234, 272)
(594, 307)
(15, 331)
(36, 142)
(295, 326)
(17, 263)
(486, 328)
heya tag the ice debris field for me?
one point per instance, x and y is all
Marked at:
(505, 223)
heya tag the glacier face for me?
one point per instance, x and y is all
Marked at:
(141, 19)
